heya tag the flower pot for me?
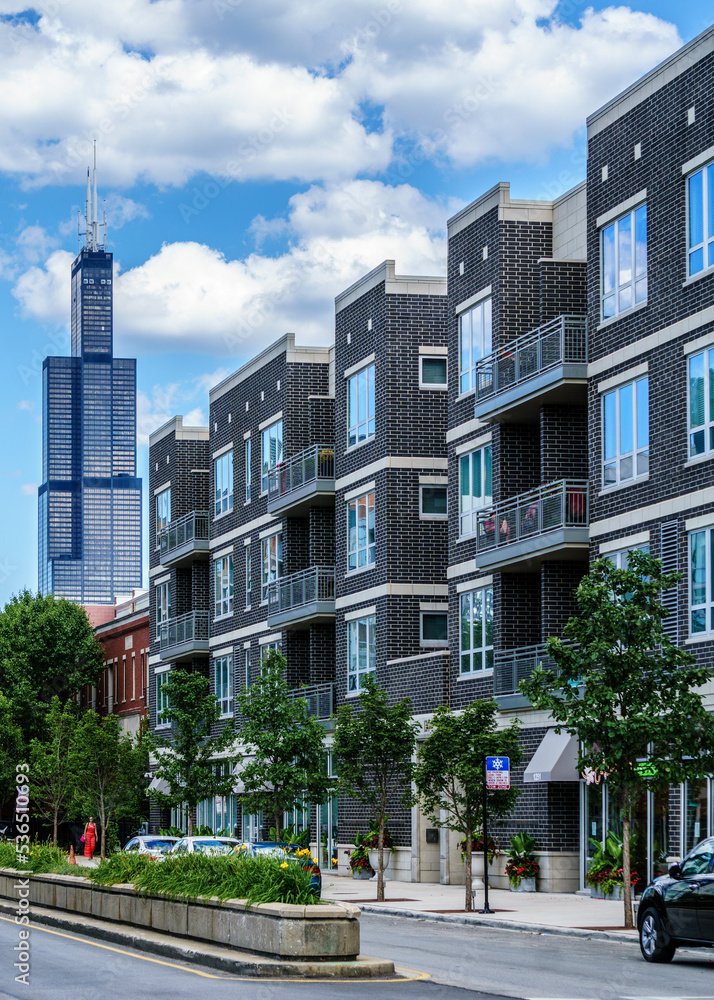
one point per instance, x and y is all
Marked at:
(597, 893)
(525, 885)
(361, 873)
(477, 869)
(374, 859)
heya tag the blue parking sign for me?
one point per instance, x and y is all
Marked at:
(498, 773)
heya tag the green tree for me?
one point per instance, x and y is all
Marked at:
(108, 767)
(187, 758)
(626, 691)
(449, 773)
(12, 745)
(53, 764)
(373, 751)
(47, 648)
(285, 747)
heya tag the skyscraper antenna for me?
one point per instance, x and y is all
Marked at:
(95, 223)
(79, 226)
(87, 218)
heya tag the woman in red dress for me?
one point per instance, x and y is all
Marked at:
(90, 838)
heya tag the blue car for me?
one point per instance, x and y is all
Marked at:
(303, 855)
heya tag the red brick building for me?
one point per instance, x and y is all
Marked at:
(123, 686)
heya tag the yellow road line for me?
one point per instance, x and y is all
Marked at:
(415, 976)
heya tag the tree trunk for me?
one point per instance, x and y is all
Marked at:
(103, 817)
(190, 821)
(380, 861)
(468, 857)
(54, 828)
(626, 866)
(278, 817)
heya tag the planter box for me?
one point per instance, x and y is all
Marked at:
(597, 893)
(525, 885)
(319, 932)
(361, 873)
(374, 860)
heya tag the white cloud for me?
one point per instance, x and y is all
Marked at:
(29, 489)
(26, 404)
(34, 243)
(190, 297)
(278, 90)
(163, 402)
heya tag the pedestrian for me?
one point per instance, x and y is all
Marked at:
(89, 838)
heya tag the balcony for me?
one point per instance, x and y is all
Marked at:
(183, 541)
(548, 365)
(320, 699)
(304, 481)
(548, 523)
(511, 666)
(302, 599)
(184, 637)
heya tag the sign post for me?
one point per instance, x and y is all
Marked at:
(497, 777)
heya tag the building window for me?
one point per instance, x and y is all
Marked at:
(432, 372)
(247, 450)
(475, 342)
(272, 561)
(361, 652)
(361, 549)
(475, 487)
(246, 668)
(433, 501)
(162, 699)
(272, 448)
(701, 581)
(701, 404)
(248, 577)
(623, 255)
(626, 433)
(434, 628)
(270, 647)
(163, 606)
(223, 468)
(224, 586)
(621, 558)
(163, 511)
(360, 407)
(476, 641)
(700, 220)
(224, 684)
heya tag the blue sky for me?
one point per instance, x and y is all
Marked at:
(257, 159)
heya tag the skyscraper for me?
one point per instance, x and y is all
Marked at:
(90, 498)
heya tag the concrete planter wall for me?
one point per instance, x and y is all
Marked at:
(329, 931)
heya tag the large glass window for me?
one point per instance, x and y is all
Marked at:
(361, 548)
(701, 403)
(626, 433)
(700, 220)
(621, 558)
(623, 267)
(476, 641)
(272, 561)
(223, 667)
(248, 577)
(696, 813)
(224, 586)
(361, 652)
(360, 407)
(163, 605)
(272, 451)
(701, 581)
(475, 342)
(223, 468)
(162, 698)
(163, 511)
(247, 457)
(475, 487)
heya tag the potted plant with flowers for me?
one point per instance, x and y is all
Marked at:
(522, 866)
(477, 846)
(371, 842)
(359, 860)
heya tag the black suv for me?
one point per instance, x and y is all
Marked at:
(678, 909)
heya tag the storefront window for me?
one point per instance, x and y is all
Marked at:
(696, 814)
(660, 832)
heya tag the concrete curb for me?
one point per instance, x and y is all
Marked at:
(201, 953)
(623, 937)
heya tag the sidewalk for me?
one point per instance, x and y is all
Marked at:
(540, 912)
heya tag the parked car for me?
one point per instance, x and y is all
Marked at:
(206, 845)
(156, 846)
(292, 852)
(678, 908)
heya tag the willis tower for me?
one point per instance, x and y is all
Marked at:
(90, 497)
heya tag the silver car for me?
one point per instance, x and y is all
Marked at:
(157, 845)
(206, 845)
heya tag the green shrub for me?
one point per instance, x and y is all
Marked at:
(260, 879)
(41, 858)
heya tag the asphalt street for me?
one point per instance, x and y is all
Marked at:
(463, 962)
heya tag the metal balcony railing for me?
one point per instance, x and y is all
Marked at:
(310, 586)
(563, 340)
(185, 630)
(511, 666)
(191, 527)
(320, 699)
(312, 465)
(562, 504)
